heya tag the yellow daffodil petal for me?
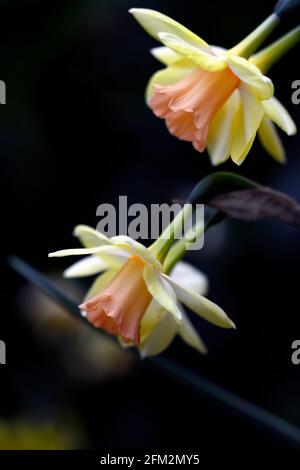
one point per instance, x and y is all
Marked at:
(86, 267)
(219, 136)
(95, 264)
(271, 141)
(161, 292)
(160, 337)
(165, 55)
(152, 316)
(246, 123)
(190, 277)
(100, 283)
(252, 111)
(154, 23)
(89, 237)
(136, 249)
(201, 305)
(97, 250)
(261, 85)
(189, 334)
(278, 114)
(205, 59)
(239, 157)
(170, 75)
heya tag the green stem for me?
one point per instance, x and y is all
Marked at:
(210, 186)
(179, 249)
(162, 245)
(266, 58)
(254, 40)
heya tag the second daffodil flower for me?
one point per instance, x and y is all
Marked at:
(214, 98)
(134, 299)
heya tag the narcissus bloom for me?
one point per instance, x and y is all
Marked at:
(134, 298)
(209, 96)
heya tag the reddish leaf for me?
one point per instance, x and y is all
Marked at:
(259, 203)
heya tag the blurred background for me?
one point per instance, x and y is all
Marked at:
(75, 133)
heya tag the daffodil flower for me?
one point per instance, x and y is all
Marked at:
(134, 298)
(275, 112)
(214, 98)
(158, 328)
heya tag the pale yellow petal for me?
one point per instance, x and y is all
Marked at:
(97, 250)
(161, 292)
(160, 337)
(246, 123)
(89, 237)
(248, 73)
(190, 277)
(86, 267)
(154, 23)
(271, 141)
(220, 131)
(278, 114)
(205, 59)
(136, 249)
(201, 305)
(152, 316)
(165, 55)
(252, 111)
(190, 335)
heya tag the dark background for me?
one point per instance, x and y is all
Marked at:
(75, 133)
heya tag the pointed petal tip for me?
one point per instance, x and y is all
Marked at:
(293, 131)
(67, 274)
(204, 350)
(237, 162)
(135, 11)
(227, 323)
(56, 254)
(78, 228)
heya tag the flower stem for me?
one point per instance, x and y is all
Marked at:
(179, 249)
(210, 186)
(163, 244)
(254, 40)
(266, 58)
